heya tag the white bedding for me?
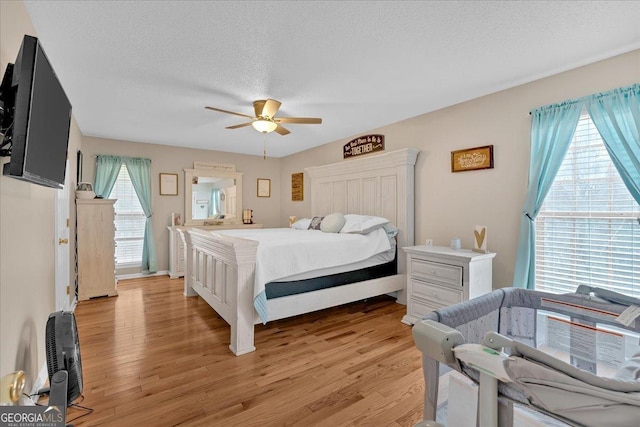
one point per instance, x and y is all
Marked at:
(377, 259)
(285, 252)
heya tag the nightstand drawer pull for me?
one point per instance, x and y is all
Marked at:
(440, 295)
(442, 273)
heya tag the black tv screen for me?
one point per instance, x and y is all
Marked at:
(41, 118)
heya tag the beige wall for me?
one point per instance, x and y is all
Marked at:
(451, 204)
(168, 159)
(27, 236)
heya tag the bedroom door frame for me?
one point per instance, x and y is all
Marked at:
(62, 245)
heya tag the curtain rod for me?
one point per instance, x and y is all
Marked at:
(635, 86)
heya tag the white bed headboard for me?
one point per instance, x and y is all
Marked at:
(380, 185)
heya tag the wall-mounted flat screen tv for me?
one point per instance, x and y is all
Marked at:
(36, 118)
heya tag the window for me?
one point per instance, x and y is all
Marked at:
(130, 221)
(588, 229)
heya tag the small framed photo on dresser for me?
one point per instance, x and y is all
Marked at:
(176, 219)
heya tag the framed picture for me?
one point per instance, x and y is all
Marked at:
(472, 159)
(480, 239)
(264, 187)
(79, 160)
(168, 184)
(297, 187)
(176, 219)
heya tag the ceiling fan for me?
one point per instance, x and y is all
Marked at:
(264, 120)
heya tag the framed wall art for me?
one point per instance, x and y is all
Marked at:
(363, 145)
(297, 187)
(264, 187)
(79, 160)
(168, 184)
(472, 159)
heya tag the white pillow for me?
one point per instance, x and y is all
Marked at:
(301, 224)
(362, 224)
(332, 223)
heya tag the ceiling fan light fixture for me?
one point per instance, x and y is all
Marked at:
(264, 126)
(264, 120)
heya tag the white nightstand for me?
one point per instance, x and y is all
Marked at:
(438, 276)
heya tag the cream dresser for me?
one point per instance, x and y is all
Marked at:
(438, 276)
(177, 249)
(96, 248)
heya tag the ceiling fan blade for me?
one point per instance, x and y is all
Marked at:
(258, 107)
(299, 120)
(270, 108)
(282, 131)
(228, 112)
(241, 125)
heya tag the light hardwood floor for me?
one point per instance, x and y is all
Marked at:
(152, 357)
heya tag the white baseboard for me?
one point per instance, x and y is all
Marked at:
(140, 275)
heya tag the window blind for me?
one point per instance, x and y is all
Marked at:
(588, 229)
(129, 221)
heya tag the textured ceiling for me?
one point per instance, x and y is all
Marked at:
(143, 71)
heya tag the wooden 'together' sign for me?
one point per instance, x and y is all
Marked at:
(363, 145)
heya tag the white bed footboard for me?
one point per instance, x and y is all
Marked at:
(221, 269)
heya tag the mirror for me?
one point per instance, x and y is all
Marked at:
(212, 197)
